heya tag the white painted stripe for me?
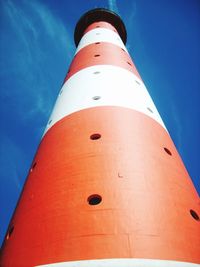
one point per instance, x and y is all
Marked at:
(123, 263)
(100, 35)
(114, 85)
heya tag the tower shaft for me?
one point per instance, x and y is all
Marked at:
(107, 186)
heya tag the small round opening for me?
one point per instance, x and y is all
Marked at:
(167, 151)
(68, 70)
(129, 63)
(97, 26)
(194, 215)
(123, 49)
(94, 199)
(10, 231)
(97, 55)
(96, 72)
(150, 110)
(97, 43)
(95, 136)
(33, 166)
(137, 82)
(60, 92)
(96, 97)
(50, 122)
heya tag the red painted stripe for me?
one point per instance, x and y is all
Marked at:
(146, 194)
(101, 54)
(100, 24)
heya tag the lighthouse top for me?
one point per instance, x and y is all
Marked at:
(99, 14)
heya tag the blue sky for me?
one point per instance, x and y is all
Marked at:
(37, 46)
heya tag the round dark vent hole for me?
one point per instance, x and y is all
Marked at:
(97, 97)
(94, 199)
(129, 63)
(97, 55)
(149, 109)
(97, 43)
(33, 166)
(137, 82)
(194, 215)
(167, 151)
(95, 136)
(10, 231)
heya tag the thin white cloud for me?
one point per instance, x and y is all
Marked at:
(31, 22)
(133, 10)
(18, 21)
(132, 25)
(112, 4)
(53, 26)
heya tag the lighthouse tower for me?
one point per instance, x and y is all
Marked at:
(107, 186)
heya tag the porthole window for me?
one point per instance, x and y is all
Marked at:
(94, 199)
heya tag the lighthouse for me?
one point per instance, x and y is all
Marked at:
(107, 187)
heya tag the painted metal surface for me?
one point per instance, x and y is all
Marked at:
(101, 54)
(100, 35)
(107, 181)
(106, 86)
(99, 15)
(123, 262)
(146, 194)
(101, 25)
